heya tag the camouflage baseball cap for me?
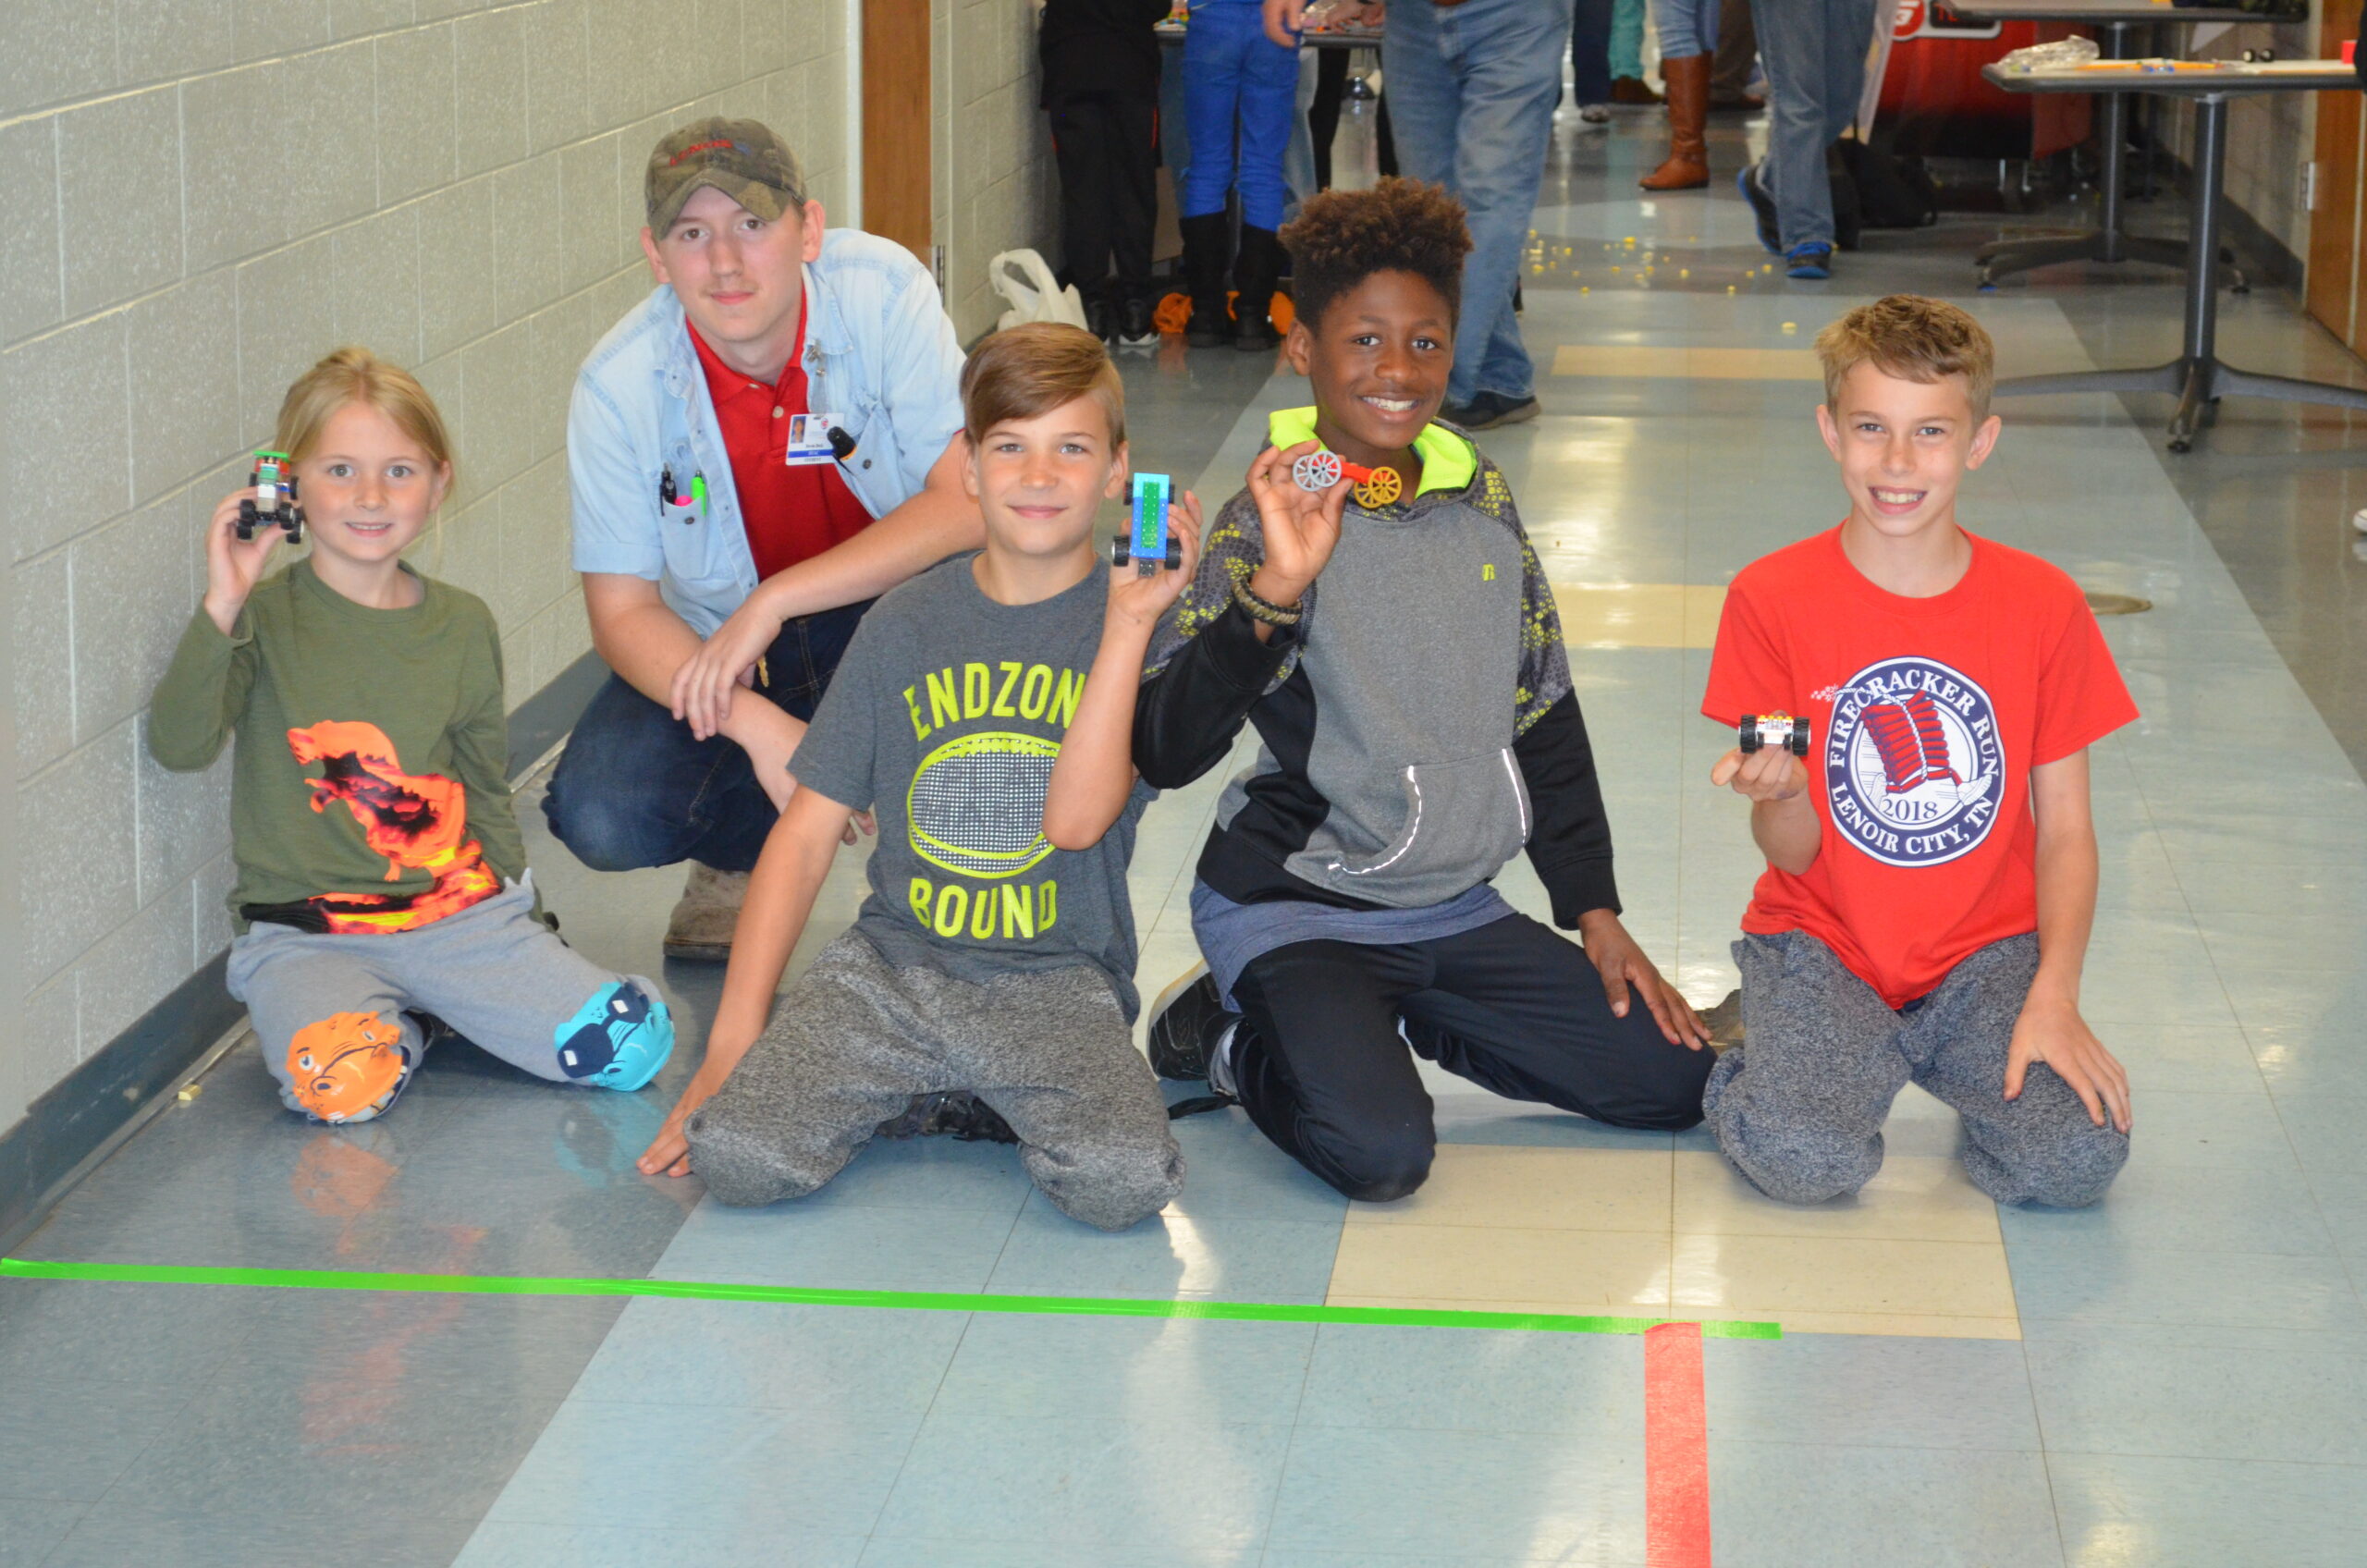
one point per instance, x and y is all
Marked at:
(742, 158)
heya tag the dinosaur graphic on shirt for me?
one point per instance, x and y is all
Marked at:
(418, 821)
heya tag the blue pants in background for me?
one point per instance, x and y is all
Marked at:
(1471, 91)
(1815, 55)
(1235, 78)
(1687, 27)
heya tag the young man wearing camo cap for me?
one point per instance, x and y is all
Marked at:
(757, 451)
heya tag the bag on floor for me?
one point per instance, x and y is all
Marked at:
(1890, 192)
(1025, 279)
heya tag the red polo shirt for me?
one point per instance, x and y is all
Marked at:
(791, 513)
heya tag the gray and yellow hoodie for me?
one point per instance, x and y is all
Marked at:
(1418, 724)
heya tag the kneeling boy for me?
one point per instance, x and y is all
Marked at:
(1401, 659)
(985, 959)
(1931, 866)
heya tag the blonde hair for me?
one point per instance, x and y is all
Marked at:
(1913, 338)
(1025, 371)
(354, 374)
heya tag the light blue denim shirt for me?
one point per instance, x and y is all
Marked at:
(880, 357)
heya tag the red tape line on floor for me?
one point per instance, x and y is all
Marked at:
(1676, 1449)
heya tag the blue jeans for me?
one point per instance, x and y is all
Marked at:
(1471, 93)
(1590, 50)
(1235, 76)
(635, 788)
(1687, 27)
(1815, 55)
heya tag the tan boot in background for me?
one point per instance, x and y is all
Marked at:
(1688, 118)
(701, 929)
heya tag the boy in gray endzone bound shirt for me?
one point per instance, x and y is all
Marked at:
(989, 957)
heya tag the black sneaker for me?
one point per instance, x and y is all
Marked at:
(958, 1114)
(1101, 319)
(1136, 327)
(1489, 409)
(1186, 1022)
(1762, 207)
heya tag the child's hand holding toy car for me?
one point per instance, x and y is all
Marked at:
(1766, 764)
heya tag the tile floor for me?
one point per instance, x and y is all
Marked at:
(2175, 1377)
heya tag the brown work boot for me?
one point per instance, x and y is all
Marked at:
(1688, 114)
(701, 930)
(1630, 91)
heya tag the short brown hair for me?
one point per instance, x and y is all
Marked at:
(1912, 338)
(1025, 371)
(357, 375)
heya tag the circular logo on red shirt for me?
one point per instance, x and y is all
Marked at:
(1914, 771)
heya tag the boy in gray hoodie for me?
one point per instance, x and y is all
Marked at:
(1391, 637)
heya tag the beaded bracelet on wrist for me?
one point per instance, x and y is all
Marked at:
(1264, 609)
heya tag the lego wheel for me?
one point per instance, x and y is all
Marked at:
(1799, 738)
(1383, 488)
(1317, 470)
(1118, 553)
(1746, 733)
(249, 520)
(1174, 554)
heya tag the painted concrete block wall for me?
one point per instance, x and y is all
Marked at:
(201, 197)
(2271, 135)
(995, 187)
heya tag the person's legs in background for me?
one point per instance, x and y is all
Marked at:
(1689, 37)
(1730, 64)
(1815, 53)
(1133, 163)
(1082, 146)
(1627, 83)
(1473, 87)
(1269, 117)
(1212, 58)
(1591, 57)
(1323, 114)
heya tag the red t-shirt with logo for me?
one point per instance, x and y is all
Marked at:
(791, 513)
(1928, 715)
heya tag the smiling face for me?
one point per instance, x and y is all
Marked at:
(1379, 361)
(1040, 482)
(738, 277)
(368, 486)
(1904, 447)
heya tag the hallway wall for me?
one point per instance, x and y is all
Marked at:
(996, 189)
(201, 198)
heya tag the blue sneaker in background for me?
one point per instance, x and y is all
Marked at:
(1808, 259)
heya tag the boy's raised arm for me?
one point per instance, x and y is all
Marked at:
(2050, 1029)
(1095, 772)
(780, 896)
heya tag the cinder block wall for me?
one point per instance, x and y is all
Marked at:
(198, 198)
(2270, 135)
(995, 187)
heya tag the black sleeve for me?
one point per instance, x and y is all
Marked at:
(1189, 711)
(1570, 844)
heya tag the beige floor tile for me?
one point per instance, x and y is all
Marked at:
(1548, 1271)
(1912, 1198)
(1448, 1304)
(1545, 1189)
(1902, 1325)
(1778, 1277)
(1639, 615)
(1627, 360)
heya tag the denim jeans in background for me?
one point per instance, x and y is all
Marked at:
(635, 788)
(1627, 39)
(1687, 27)
(1471, 93)
(1814, 52)
(1237, 81)
(1590, 50)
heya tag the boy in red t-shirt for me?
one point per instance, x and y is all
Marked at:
(1931, 866)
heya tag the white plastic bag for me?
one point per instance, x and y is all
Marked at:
(1025, 279)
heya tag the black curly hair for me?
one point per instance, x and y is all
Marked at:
(1340, 238)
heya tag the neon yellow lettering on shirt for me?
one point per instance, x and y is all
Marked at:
(1036, 691)
(944, 700)
(1002, 708)
(920, 725)
(1018, 912)
(974, 680)
(1064, 700)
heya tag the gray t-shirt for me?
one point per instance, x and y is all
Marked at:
(944, 717)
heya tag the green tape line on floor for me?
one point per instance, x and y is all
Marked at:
(801, 1295)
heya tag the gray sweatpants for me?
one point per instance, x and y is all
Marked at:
(856, 1038)
(1799, 1107)
(333, 1009)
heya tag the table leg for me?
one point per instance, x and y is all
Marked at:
(2202, 357)
(2106, 242)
